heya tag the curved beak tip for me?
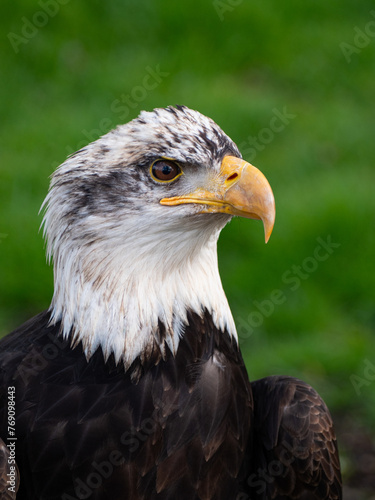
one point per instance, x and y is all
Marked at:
(268, 220)
(268, 227)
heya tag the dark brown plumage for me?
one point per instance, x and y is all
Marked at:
(295, 442)
(184, 428)
(178, 431)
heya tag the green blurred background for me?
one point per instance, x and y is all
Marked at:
(67, 69)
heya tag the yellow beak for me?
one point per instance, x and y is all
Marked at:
(239, 189)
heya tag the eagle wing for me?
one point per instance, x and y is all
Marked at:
(295, 447)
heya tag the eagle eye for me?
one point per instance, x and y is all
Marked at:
(165, 170)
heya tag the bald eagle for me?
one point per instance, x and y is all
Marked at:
(132, 385)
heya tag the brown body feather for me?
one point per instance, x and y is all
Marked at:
(182, 427)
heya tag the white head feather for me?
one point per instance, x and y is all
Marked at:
(124, 263)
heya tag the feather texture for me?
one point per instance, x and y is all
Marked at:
(185, 427)
(172, 429)
(297, 451)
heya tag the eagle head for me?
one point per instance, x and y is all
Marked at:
(132, 222)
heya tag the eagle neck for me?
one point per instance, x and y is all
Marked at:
(133, 299)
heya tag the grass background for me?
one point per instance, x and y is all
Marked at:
(236, 61)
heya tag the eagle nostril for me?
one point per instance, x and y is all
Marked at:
(232, 177)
